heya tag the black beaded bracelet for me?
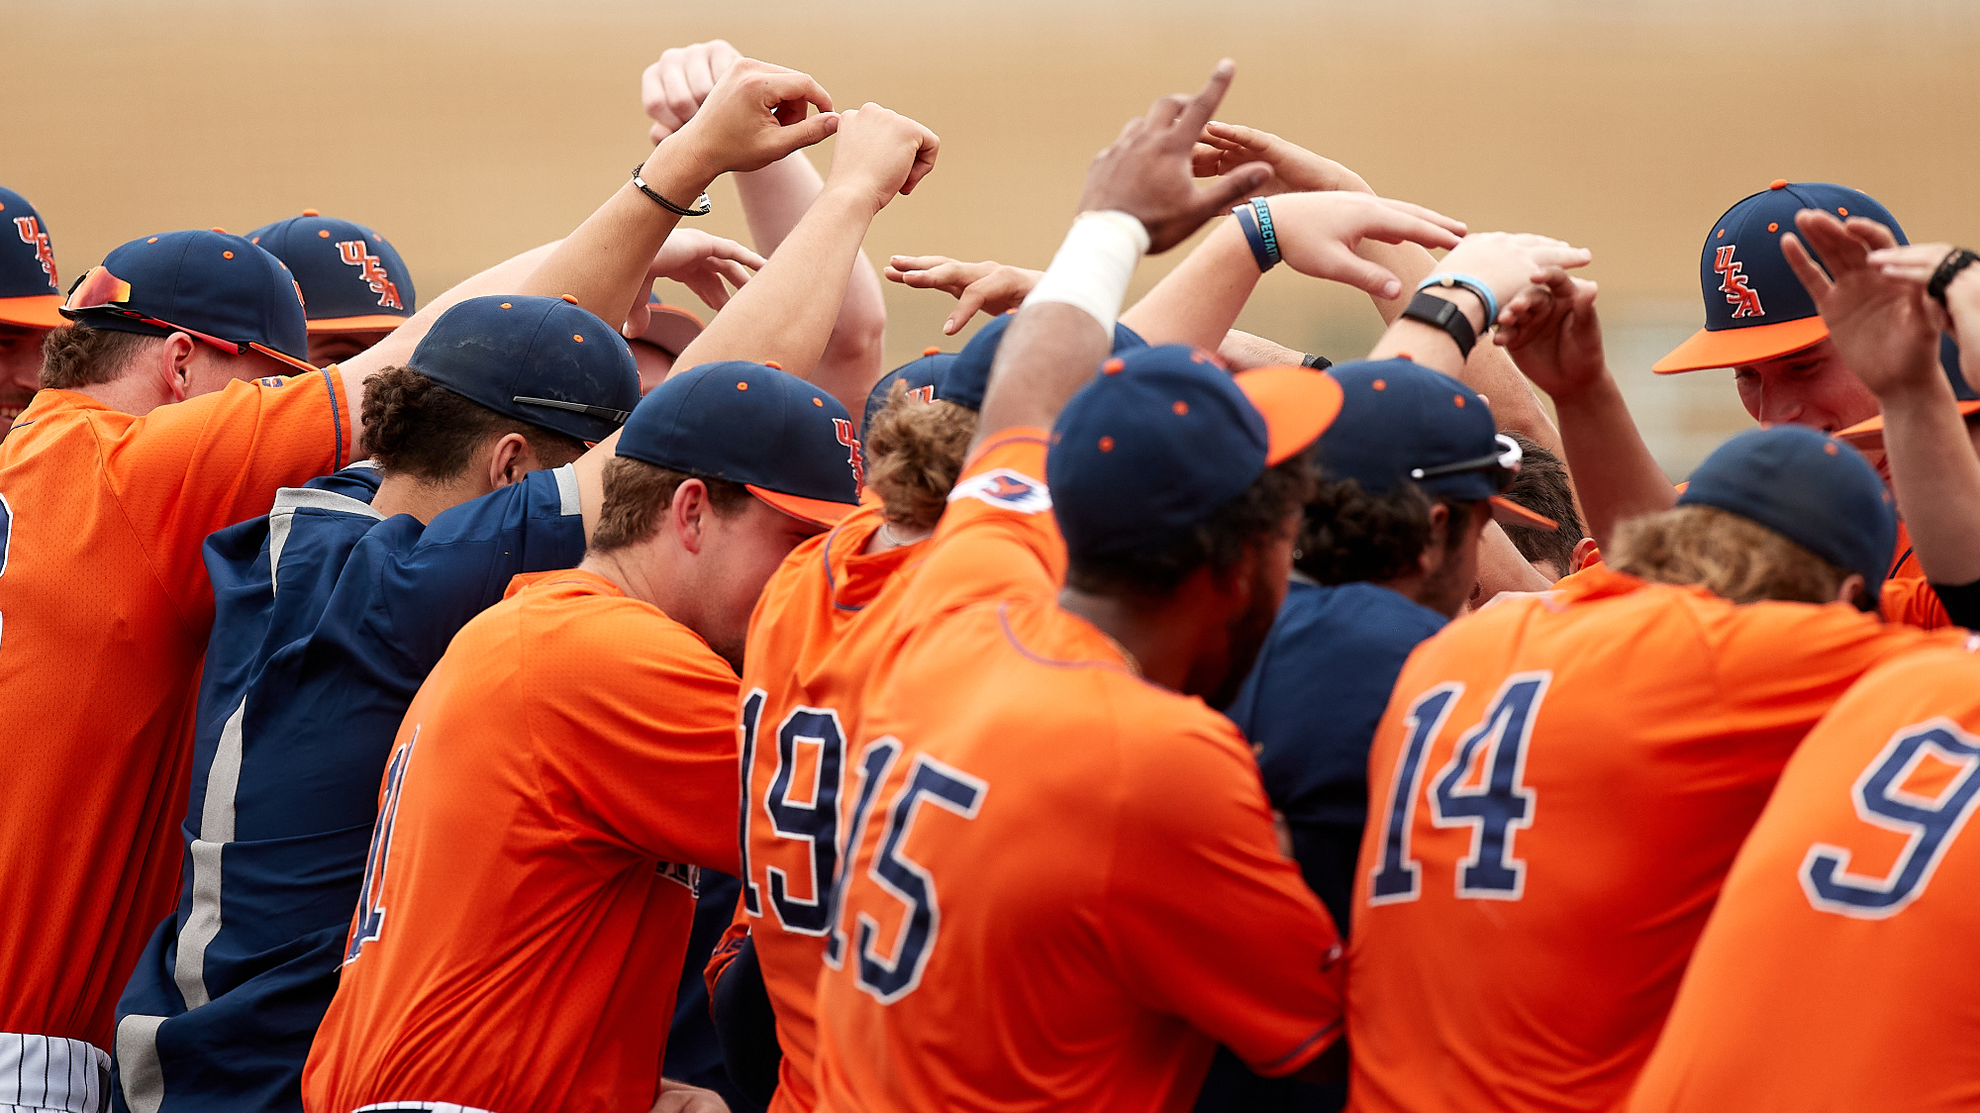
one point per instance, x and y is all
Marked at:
(706, 206)
(1955, 261)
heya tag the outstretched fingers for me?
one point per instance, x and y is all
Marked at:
(1190, 123)
(1806, 269)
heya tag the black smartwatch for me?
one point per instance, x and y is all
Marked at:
(1447, 315)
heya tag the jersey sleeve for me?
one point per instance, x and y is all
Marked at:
(1913, 602)
(189, 468)
(463, 561)
(997, 538)
(643, 743)
(1208, 921)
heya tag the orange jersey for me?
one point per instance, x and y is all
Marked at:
(530, 889)
(812, 641)
(1065, 888)
(1829, 975)
(104, 614)
(1560, 784)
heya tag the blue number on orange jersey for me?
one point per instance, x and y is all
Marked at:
(815, 823)
(890, 977)
(371, 914)
(874, 763)
(752, 713)
(1396, 877)
(1930, 823)
(1500, 805)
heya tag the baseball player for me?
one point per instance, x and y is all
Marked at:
(1532, 853)
(813, 638)
(566, 767)
(1822, 979)
(355, 288)
(30, 294)
(1104, 975)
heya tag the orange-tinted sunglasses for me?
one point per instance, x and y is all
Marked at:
(100, 291)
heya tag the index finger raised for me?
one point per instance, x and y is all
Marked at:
(1190, 124)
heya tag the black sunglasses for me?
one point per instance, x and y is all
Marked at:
(616, 417)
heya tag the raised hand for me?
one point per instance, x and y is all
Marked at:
(756, 114)
(1317, 234)
(1223, 148)
(989, 287)
(882, 153)
(1146, 172)
(1507, 261)
(1551, 330)
(1917, 263)
(1882, 326)
(672, 89)
(700, 262)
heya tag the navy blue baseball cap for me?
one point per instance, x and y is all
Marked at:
(1810, 488)
(213, 286)
(30, 291)
(965, 379)
(1755, 307)
(545, 361)
(789, 443)
(352, 280)
(1163, 436)
(920, 376)
(1404, 422)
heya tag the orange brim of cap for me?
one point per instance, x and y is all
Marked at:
(358, 324)
(34, 311)
(1506, 512)
(1298, 404)
(1870, 434)
(1734, 346)
(816, 511)
(671, 328)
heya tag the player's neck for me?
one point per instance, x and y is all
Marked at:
(132, 394)
(1160, 637)
(399, 493)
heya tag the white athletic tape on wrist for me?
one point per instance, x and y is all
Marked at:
(1094, 265)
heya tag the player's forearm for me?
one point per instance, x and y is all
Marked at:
(1937, 479)
(397, 347)
(1615, 477)
(1197, 302)
(1489, 371)
(786, 313)
(603, 263)
(775, 198)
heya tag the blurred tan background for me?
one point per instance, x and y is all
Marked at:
(465, 132)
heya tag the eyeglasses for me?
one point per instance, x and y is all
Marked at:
(616, 417)
(99, 291)
(1502, 464)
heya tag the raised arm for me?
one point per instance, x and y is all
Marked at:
(774, 199)
(1296, 169)
(1884, 328)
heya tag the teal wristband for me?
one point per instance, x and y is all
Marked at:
(1265, 232)
(1247, 219)
(1466, 282)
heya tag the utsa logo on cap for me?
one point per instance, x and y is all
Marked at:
(1755, 308)
(30, 290)
(1732, 283)
(354, 253)
(1009, 489)
(353, 281)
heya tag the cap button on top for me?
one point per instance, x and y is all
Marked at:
(773, 365)
(572, 298)
(311, 212)
(222, 231)
(1778, 183)
(931, 351)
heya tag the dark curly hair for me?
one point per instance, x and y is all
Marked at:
(415, 426)
(1219, 541)
(1349, 535)
(79, 355)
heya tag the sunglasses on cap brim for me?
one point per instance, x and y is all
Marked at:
(99, 291)
(1500, 466)
(616, 417)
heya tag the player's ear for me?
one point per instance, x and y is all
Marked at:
(1432, 555)
(175, 358)
(1583, 549)
(510, 461)
(1850, 588)
(688, 514)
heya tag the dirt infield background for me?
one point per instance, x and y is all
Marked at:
(466, 132)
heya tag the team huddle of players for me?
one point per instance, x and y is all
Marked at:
(1121, 712)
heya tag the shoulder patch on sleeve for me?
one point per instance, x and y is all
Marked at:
(1007, 488)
